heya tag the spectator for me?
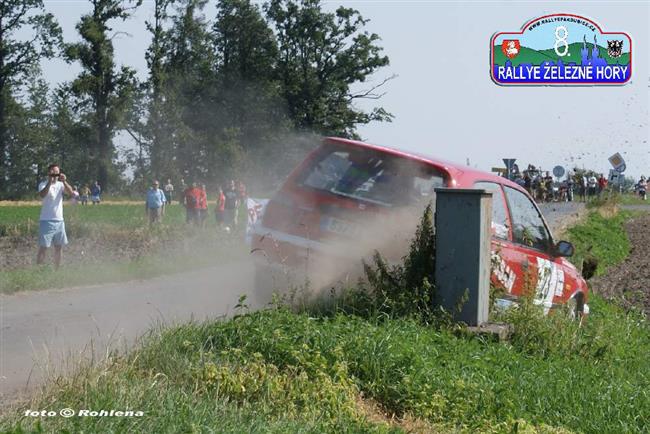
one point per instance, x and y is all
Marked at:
(95, 193)
(231, 206)
(203, 205)
(220, 207)
(75, 196)
(602, 184)
(51, 224)
(155, 203)
(540, 188)
(592, 183)
(642, 187)
(84, 193)
(584, 186)
(528, 183)
(192, 199)
(548, 187)
(569, 183)
(169, 191)
(520, 180)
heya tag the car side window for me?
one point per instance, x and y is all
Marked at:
(499, 212)
(528, 228)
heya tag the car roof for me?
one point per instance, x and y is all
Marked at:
(458, 172)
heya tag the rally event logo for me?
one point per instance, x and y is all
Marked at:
(561, 49)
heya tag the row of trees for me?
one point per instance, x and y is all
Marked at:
(241, 95)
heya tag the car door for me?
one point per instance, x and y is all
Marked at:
(505, 259)
(539, 273)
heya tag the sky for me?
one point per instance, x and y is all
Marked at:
(443, 99)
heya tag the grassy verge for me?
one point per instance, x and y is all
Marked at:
(601, 236)
(276, 370)
(632, 199)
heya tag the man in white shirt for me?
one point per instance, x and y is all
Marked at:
(51, 224)
(593, 185)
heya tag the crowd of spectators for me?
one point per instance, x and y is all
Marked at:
(544, 187)
(194, 198)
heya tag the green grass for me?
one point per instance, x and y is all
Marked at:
(602, 238)
(23, 220)
(633, 199)
(276, 370)
(323, 370)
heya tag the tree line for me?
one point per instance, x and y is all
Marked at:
(244, 94)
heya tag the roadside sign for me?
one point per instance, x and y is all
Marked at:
(617, 162)
(616, 178)
(499, 170)
(558, 171)
(509, 162)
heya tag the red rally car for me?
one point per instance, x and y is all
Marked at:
(329, 199)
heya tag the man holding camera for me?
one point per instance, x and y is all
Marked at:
(51, 224)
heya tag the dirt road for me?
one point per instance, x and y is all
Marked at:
(561, 215)
(41, 330)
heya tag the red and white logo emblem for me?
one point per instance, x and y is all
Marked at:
(510, 48)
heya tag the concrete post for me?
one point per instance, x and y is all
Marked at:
(463, 234)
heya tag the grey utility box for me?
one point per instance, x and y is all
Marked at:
(463, 233)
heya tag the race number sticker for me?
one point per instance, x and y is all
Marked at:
(550, 282)
(561, 49)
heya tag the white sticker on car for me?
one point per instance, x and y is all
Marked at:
(503, 272)
(550, 281)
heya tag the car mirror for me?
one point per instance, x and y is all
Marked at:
(564, 248)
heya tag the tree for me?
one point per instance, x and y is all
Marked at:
(71, 132)
(19, 57)
(186, 108)
(151, 135)
(105, 91)
(322, 56)
(247, 92)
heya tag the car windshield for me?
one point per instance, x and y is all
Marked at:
(371, 176)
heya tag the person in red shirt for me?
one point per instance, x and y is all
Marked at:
(602, 184)
(220, 207)
(192, 202)
(203, 205)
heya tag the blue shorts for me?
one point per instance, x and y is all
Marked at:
(52, 232)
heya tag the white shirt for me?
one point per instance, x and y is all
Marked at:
(52, 208)
(592, 181)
